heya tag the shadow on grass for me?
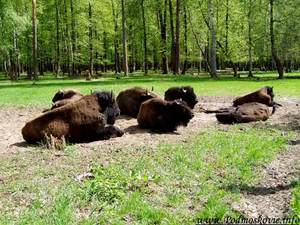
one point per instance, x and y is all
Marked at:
(253, 190)
(125, 81)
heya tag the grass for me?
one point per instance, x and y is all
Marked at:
(296, 201)
(174, 184)
(40, 93)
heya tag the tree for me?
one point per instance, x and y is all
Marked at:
(91, 47)
(144, 37)
(163, 36)
(213, 41)
(34, 41)
(124, 38)
(177, 40)
(250, 38)
(273, 44)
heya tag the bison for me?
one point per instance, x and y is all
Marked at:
(91, 118)
(248, 112)
(186, 93)
(64, 97)
(164, 116)
(265, 96)
(130, 100)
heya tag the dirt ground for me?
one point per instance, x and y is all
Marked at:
(270, 198)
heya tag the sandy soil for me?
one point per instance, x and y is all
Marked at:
(270, 198)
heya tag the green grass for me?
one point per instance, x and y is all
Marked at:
(40, 93)
(296, 201)
(175, 184)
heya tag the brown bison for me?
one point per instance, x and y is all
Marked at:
(186, 93)
(64, 97)
(164, 116)
(90, 118)
(264, 96)
(248, 112)
(130, 100)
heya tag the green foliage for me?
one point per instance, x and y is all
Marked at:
(15, 17)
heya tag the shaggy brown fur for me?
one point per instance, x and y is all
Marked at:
(130, 100)
(186, 93)
(64, 97)
(248, 112)
(264, 96)
(81, 121)
(165, 116)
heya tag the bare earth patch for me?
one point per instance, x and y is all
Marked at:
(270, 198)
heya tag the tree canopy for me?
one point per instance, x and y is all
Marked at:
(168, 35)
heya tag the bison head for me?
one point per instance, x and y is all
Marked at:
(189, 96)
(182, 112)
(270, 92)
(108, 105)
(65, 94)
(185, 93)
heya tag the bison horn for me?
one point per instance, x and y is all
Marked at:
(111, 93)
(152, 89)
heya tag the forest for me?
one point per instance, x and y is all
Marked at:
(90, 37)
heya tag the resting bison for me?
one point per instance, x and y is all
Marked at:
(90, 118)
(64, 97)
(130, 100)
(248, 112)
(264, 96)
(159, 115)
(186, 93)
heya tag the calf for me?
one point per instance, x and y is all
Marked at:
(64, 97)
(186, 93)
(248, 112)
(265, 96)
(90, 118)
(130, 100)
(165, 116)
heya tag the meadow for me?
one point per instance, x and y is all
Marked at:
(180, 182)
(40, 93)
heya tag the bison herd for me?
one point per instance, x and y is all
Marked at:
(79, 118)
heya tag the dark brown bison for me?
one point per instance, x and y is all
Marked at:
(90, 118)
(248, 112)
(64, 97)
(130, 100)
(186, 93)
(265, 96)
(165, 116)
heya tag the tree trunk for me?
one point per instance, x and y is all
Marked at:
(185, 65)
(172, 37)
(213, 42)
(105, 47)
(163, 34)
(277, 60)
(116, 45)
(57, 69)
(227, 29)
(34, 41)
(250, 38)
(144, 37)
(124, 38)
(73, 38)
(177, 43)
(67, 39)
(91, 49)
